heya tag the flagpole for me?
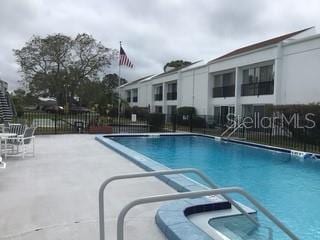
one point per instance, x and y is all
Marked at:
(119, 83)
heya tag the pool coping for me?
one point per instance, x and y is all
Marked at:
(179, 182)
(171, 218)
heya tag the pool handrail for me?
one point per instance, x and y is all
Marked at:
(175, 196)
(156, 174)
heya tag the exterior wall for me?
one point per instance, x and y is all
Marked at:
(236, 64)
(194, 87)
(301, 72)
(296, 79)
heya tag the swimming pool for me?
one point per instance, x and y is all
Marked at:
(286, 185)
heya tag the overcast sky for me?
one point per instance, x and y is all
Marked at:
(153, 31)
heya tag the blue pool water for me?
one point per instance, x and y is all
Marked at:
(286, 185)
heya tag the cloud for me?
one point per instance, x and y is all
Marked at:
(153, 32)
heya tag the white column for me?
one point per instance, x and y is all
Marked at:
(179, 93)
(279, 91)
(164, 97)
(209, 93)
(150, 89)
(237, 91)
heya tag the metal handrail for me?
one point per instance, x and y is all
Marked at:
(236, 129)
(174, 196)
(232, 126)
(155, 174)
(225, 131)
(233, 131)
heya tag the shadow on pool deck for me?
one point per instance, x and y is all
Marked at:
(55, 194)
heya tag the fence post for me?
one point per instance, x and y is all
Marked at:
(190, 122)
(174, 121)
(270, 135)
(55, 123)
(119, 122)
(304, 138)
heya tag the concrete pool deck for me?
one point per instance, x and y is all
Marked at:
(55, 194)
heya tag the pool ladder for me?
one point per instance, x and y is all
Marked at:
(214, 190)
(232, 129)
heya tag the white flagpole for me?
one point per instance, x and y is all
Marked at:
(119, 83)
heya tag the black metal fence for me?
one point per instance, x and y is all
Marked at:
(299, 135)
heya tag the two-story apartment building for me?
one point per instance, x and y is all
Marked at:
(279, 71)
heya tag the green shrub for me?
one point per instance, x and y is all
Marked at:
(198, 122)
(156, 121)
(186, 111)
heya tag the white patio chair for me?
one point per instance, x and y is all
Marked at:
(16, 128)
(19, 145)
(2, 164)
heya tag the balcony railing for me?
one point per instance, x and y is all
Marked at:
(172, 96)
(226, 91)
(158, 97)
(135, 99)
(258, 88)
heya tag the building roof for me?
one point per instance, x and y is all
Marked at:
(135, 81)
(258, 45)
(176, 69)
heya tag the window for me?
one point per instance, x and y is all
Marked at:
(266, 73)
(158, 109)
(258, 74)
(172, 110)
(253, 110)
(223, 114)
(135, 95)
(172, 87)
(218, 80)
(128, 93)
(225, 79)
(224, 85)
(158, 93)
(257, 80)
(228, 79)
(216, 111)
(250, 75)
(172, 91)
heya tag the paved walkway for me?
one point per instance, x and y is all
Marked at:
(55, 194)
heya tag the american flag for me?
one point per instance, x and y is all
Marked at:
(124, 60)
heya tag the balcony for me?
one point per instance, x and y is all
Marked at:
(172, 96)
(135, 99)
(158, 97)
(226, 91)
(258, 88)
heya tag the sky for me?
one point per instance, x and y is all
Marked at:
(153, 32)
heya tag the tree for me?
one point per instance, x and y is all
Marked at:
(105, 95)
(57, 65)
(22, 99)
(176, 64)
(111, 81)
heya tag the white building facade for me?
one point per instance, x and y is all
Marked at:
(279, 71)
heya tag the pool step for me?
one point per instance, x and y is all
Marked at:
(238, 138)
(239, 228)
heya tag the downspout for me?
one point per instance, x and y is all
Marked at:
(193, 79)
(279, 93)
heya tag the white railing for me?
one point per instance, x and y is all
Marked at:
(159, 198)
(175, 196)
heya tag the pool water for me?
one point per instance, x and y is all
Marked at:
(240, 227)
(286, 185)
